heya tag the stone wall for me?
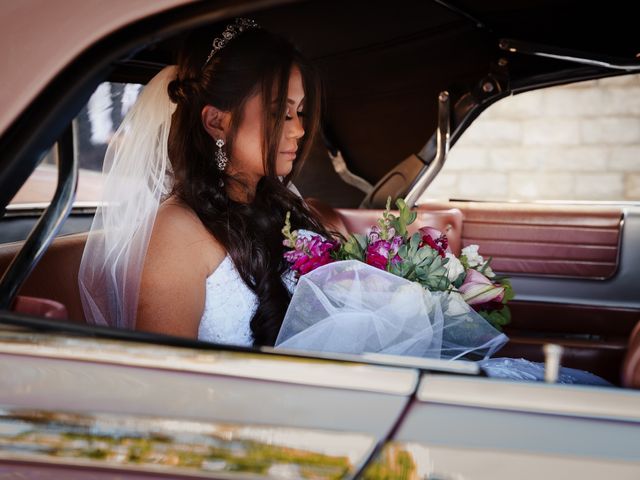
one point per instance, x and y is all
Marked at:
(574, 142)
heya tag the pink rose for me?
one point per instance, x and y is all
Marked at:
(435, 239)
(478, 289)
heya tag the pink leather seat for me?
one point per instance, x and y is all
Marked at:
(40, 307)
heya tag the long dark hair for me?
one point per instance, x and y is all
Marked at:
(256, 61)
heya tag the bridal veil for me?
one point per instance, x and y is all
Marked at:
(136, 175)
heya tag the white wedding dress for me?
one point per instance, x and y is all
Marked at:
(229, 306)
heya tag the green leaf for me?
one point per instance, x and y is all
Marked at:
(497, 318)
(290, 236)
(353, 249)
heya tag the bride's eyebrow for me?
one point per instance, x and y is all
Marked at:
(290, 101)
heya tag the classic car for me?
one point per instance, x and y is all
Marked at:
(404, 81)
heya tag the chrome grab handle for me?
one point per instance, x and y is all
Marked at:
(442, 150)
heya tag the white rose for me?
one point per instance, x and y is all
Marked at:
(473, 258)
(405, 301)
(454, 267)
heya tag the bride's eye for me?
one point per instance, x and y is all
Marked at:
(300, 115)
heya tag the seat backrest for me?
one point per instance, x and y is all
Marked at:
(352, 220)
(631, 365)
(56, 275)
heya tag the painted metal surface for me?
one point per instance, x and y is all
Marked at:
(477, 429)
(415, 461)
(535, 397)
(63, 30)
(256, 366)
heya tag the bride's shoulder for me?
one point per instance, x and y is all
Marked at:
(178, 230)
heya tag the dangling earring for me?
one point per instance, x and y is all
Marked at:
(221, 156)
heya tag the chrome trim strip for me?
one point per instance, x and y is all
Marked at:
(322, 372)
(169, 445)
(535, 397)
(19, 207)
(573, 56)
(429, 172)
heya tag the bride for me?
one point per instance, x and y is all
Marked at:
(188, 240)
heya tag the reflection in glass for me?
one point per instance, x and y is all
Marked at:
(176, 444)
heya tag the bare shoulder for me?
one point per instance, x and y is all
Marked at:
(178, 227)
(181, 255)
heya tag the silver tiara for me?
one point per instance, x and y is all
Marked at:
(230, 32)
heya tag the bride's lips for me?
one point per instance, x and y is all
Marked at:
(290, 153)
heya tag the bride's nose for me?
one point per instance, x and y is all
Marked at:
(295, 128)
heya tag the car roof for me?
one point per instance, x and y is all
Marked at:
(39, 38)
(383, 65)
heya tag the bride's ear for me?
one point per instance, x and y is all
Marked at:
(215, 121)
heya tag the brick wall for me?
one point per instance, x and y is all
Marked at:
(574, 142)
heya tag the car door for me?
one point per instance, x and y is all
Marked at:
(108, 408)
(476, 429)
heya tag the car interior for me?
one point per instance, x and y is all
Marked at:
(402, 85)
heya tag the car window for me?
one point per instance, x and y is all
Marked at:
(573, 142)
(94, 126)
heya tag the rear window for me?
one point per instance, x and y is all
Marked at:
(94, 126)
(573, 142)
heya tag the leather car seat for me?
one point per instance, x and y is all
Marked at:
(631, 365)
(352, 220)
(56, 275)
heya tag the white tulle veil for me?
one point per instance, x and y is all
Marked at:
(351, 307)
(137, 176)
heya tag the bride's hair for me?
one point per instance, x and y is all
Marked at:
(256, 61)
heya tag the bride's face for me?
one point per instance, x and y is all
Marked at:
(247, 145)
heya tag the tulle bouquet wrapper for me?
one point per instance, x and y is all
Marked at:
(351, 307)
(394, 293)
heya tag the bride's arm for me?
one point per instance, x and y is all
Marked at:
(180, 256)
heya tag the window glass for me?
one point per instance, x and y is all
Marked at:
(572, 142)
(95, 124)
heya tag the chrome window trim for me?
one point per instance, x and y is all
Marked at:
(535, 397)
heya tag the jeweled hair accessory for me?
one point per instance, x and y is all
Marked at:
(230, 32)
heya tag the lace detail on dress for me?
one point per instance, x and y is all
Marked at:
(228, 308)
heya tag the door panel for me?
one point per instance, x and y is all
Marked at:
(562, 241)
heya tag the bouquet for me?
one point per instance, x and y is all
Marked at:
(424, 258)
